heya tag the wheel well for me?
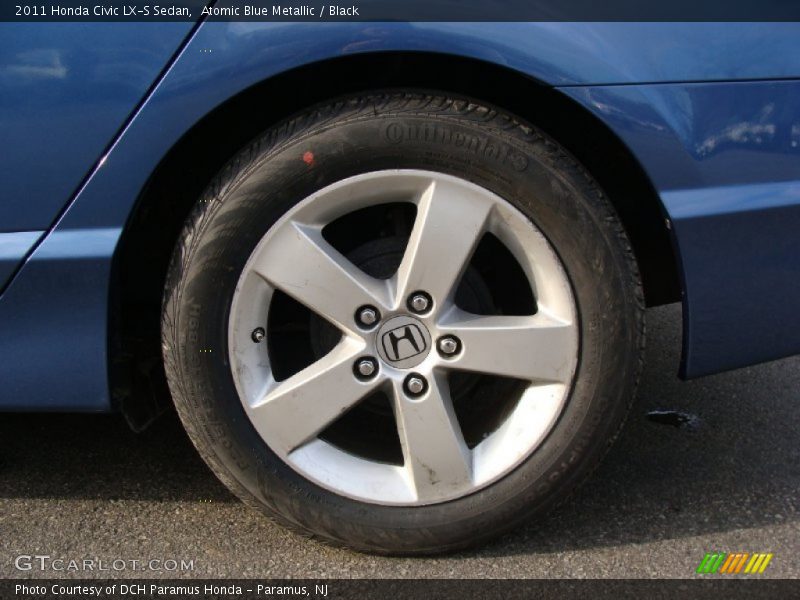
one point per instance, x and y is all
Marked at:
(140, 265)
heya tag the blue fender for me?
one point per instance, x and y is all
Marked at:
(669, 126)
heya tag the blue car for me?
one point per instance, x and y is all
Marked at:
(392, 276)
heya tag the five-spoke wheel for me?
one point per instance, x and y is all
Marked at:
(403, 335)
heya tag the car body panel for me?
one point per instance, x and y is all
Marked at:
(692, 135)
(54, 323)
(65, 91)
(13, 249)
(725, 159)
(741, 272)
(57, 306)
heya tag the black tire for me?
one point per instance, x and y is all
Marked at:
(398, 130)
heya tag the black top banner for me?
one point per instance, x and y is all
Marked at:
(398, 10)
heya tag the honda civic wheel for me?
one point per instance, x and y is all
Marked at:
(420, 336)
(402, 323)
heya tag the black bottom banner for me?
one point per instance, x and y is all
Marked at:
(396, 589)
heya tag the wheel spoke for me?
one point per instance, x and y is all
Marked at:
(450, 222)
(299, 262)
(294, 411)
(437, 459)
(536, 348)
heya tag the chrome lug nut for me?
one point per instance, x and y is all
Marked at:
(367, 316)
(419, 302)
(415, 385)
(448, 345)
(366, 368)
(258, 335)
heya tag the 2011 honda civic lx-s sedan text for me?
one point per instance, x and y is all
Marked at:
(392, 275)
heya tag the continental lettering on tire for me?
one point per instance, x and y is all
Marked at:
(396, 132)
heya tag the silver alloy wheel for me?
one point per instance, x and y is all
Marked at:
(452, 216)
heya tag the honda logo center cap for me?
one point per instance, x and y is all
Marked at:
(403, 342)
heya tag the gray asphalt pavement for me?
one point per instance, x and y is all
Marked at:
(75, 487)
